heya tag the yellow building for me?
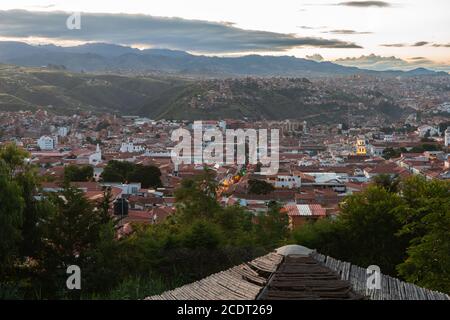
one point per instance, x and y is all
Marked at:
(361, 149)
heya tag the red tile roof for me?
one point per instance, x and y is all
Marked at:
(305, 210)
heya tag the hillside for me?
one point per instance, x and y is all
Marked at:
(270, 99)
(66, 92)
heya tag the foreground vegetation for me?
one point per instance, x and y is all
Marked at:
(403, 226)
(41, 237)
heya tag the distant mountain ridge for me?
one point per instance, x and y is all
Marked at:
(382, 63)
(101, 57)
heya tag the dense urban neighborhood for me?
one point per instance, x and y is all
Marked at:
(123, 167)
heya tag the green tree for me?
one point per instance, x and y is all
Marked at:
(34, 212)
(387, 181)
(71, 231)
(13, 156)
(148, 176)
(426, 219)
(117, 171)
(364, 233)
(425, 147)
(325, 235)
(236, 225)
(196, 197)
(105, 206)
(24, 177)
(272, 226)
(389, 153)
(122, 171)
(259, 187)
(75, 173)
(103, 268)
(407, 231)
(11, 219)
(201, 234)
(371, 223)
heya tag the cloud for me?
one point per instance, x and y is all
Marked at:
(380, 63)
(420, 44)
(346, 31)
(365, 4)
(45, 6)
(441, 45)
(144, 30)
(402, 45)
(315, 57)
(394, 45)
(311, 28)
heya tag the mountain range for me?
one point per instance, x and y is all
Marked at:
(102, 57)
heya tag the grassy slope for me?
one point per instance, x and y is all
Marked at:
(31, 88)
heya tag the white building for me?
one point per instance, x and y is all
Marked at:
(376, 150)
(63, 131)
(423, 130)
(96, 157)
(46, 143)
(447, 137)
(388, 137)
(287, 181)
(330, 180)
(205, 125)
(127, 188)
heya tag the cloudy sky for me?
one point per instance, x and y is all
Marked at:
(416, 31)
